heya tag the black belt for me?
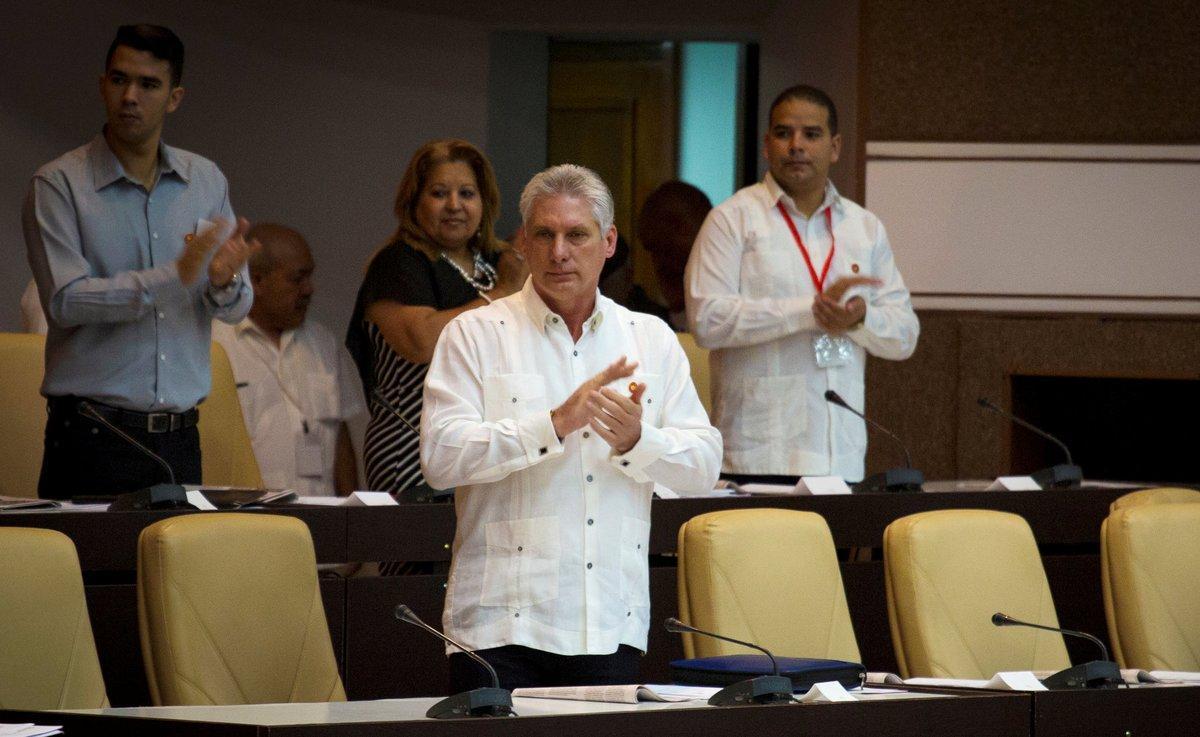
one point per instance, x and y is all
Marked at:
(151, 422)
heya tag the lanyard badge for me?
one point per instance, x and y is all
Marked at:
(828, 350)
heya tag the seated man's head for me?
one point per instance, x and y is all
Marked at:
(281, 272)
(670, 218)
(567, 233)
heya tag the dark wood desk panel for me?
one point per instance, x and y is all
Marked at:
(107, 541)
(1061, 517)
(980, 715)
(113, 611)
(387, 658)
(1125, 712)
(403, 532)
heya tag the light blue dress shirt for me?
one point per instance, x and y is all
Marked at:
(123, 329)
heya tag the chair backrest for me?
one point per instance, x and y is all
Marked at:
(768, 576)
(23, 409)
(226, 454)
(47, 653)
(230, 612)
(947, 573)
(1150, 577)
(1160, 495)
(698, 359)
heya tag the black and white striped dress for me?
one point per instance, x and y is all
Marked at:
(401, 274)
(391, 450)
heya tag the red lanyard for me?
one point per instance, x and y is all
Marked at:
(818, 283)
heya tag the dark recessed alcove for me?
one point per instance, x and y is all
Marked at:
(1121, 429)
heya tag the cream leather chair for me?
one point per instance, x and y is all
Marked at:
(698, 359)
(23, 413)
(226, 455)
(1150, 577)
(1161, 495)
(230, 612)
(768, 576)
(947, 572)
(47, 653)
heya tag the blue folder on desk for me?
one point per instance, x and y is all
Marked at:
(724, 670)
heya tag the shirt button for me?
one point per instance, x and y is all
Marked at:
(624, 463)
(554, 319)
(514, 400)
(591, 521)
(649, 400)
(162, 356)
(516, 614)
(542, 451)
(162, 315)
(520, 548)
(586, 434)
(575, 353)
(589, 566)
(156, 235)
(589, 478)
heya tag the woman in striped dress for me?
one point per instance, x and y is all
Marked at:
(443, 259)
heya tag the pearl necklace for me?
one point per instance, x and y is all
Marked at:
(486, 274)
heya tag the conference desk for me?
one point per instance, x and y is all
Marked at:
(1147, 711)
(380, 659)
(984, 714)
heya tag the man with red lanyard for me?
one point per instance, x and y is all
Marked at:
(790, 285)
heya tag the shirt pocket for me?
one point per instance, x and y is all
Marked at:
(513, 396)
(635, 572)
(652, 399)
(765, 409)
(767, 270)
(323, 396)
(521, 562)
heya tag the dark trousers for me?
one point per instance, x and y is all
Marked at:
(524, 667)
(84, 458)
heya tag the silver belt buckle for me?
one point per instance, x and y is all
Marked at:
(158, 422)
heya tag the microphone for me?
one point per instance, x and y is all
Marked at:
(383, 402)
(159, 496)
(772, 689)
(1062, 476)
(893, 479)
(1101, 673)
(481, 702)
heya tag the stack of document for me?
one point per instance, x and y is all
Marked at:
(28, 730)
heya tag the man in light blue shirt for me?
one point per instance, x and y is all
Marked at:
(129, 243)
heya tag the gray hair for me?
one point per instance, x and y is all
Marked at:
(570, 180)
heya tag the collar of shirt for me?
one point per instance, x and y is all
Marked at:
(107, 168)
(247, 325)
(775, 193)
(542, 316)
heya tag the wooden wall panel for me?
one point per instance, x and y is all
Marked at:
(1083, 71)
(930, 400)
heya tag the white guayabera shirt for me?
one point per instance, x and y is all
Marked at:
(749, 300)
(550, 549)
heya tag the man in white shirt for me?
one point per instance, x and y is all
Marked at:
(554, 411)
(790, 285)
(296, 382)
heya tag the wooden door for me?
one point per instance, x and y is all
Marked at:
(612, 108)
